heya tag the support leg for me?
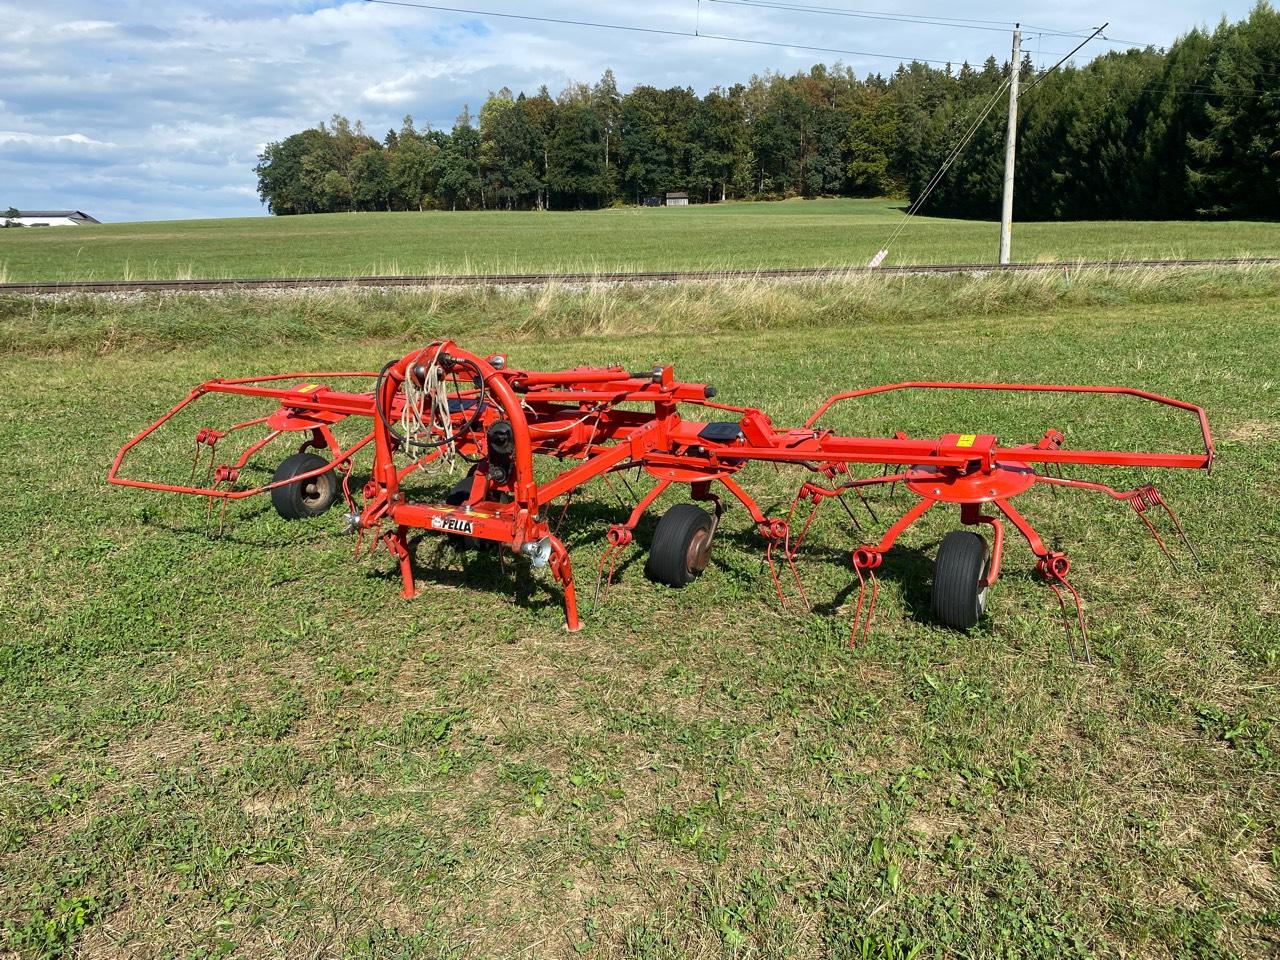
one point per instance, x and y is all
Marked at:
(744, 498)
(397, 543)
(971, 514)
(562, 569)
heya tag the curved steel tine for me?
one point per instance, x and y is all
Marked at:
(1148, 496)
(875, 518)
(859, 624)
(1142, 515)
(1177, 525)
(795, 575)
(773, 572)
(1066, 619)
(852, 519)
(595, 595)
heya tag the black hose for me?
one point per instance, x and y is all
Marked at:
(467, 427)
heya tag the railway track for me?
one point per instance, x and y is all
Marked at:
(47, 288)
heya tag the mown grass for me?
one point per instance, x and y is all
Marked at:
(739, 236)
(249, 745)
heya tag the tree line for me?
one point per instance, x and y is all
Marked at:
(1144, 133)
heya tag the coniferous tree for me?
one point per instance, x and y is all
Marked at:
(1189, 131)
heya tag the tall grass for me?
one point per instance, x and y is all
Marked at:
(173, 320)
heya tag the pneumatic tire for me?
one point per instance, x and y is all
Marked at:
(681, 546)
(959, 599)
(306, 498)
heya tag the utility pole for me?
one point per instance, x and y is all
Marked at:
(1010, 146)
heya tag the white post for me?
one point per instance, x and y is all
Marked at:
(1010, 147)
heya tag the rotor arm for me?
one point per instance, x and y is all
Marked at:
(1107, 458)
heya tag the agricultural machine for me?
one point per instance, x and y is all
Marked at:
(443, 404)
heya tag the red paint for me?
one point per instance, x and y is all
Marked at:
(576, 417)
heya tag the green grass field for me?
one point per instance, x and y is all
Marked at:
(249, 745)
(746, 236)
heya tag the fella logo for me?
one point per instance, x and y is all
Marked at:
(451, 524)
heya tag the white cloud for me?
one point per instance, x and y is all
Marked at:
(15, 136)
(59, 30)
(149, 115)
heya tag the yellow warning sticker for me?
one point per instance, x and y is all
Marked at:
(966, 439)
(306, 387)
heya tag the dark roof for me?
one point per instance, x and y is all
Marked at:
(676, 194)
(73, 214)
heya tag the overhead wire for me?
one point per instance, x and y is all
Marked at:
(947, 163)
(950, 22)
(996, 26)
(1036, 81)
(847, 11)
(632, 28)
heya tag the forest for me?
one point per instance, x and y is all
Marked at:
(1188, 131)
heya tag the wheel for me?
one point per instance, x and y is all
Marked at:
(307, 498)
(958, 599)
(681, 546)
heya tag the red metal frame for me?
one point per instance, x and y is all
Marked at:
(578, 415)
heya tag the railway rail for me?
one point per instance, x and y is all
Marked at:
(53, 288)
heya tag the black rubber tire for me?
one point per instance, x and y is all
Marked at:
(681, 545)
(307, 498)
(958, 600)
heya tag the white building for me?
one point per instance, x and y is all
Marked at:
(49, 218)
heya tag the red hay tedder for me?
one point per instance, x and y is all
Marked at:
(441, 401)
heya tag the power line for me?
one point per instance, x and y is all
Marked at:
(919, 19)
(695, 35)
(1204, 90)
(527, 16)
(846, 11)
(801, 46)
(1063, 60)
(947, 163)
(968, 23)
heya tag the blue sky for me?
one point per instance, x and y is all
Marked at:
(138, 110)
